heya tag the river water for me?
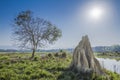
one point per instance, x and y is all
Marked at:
(110, 64)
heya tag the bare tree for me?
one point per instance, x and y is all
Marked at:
(34, 33)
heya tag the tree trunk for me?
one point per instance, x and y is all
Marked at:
(33, 52)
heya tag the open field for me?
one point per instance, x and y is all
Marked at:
(19, 67)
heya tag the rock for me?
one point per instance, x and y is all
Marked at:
(84, 59)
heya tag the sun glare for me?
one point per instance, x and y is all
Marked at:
(95, 13)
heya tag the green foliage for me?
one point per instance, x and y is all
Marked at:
(50, 55)
(45, 73)
(36, 58)
(109, 55)
(64, 54)
(33, 32)
(7, 74)
(113, 76)
(4, 58)
(56, 54)
(48, 68)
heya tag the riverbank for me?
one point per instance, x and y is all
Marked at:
(99, 55)
(50, 67)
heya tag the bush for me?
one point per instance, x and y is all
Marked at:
(61, 51)
(64, 55)
(36, 58)
(56, 54)
(49, 55)
(28, 72)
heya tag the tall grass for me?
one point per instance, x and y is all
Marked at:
(49, 67)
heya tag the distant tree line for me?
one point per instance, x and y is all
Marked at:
(114, 48)
(8, 50)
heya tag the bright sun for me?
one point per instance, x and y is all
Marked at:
(96, 13)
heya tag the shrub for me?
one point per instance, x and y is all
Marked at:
(28, 72)
(61, 51)
(56, 54)
(49, 55)
(64, 55)
(19, 57)
(36, 58)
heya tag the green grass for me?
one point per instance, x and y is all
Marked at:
(108, 55)
(19, 67)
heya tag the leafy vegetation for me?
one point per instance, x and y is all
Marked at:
(110, 55)
(49, 67)
(32, 33)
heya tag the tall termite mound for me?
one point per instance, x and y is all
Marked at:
(84, 59)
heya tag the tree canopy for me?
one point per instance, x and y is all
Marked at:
(33, 32)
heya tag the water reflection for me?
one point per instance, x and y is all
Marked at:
(110, 64)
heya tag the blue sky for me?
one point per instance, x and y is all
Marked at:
(71, 16)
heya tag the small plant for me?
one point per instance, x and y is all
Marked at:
(49, 55)
(56, 54)
(19, 57)
(64, 55)
(28, 72)
(36, 58)
(61, 51)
